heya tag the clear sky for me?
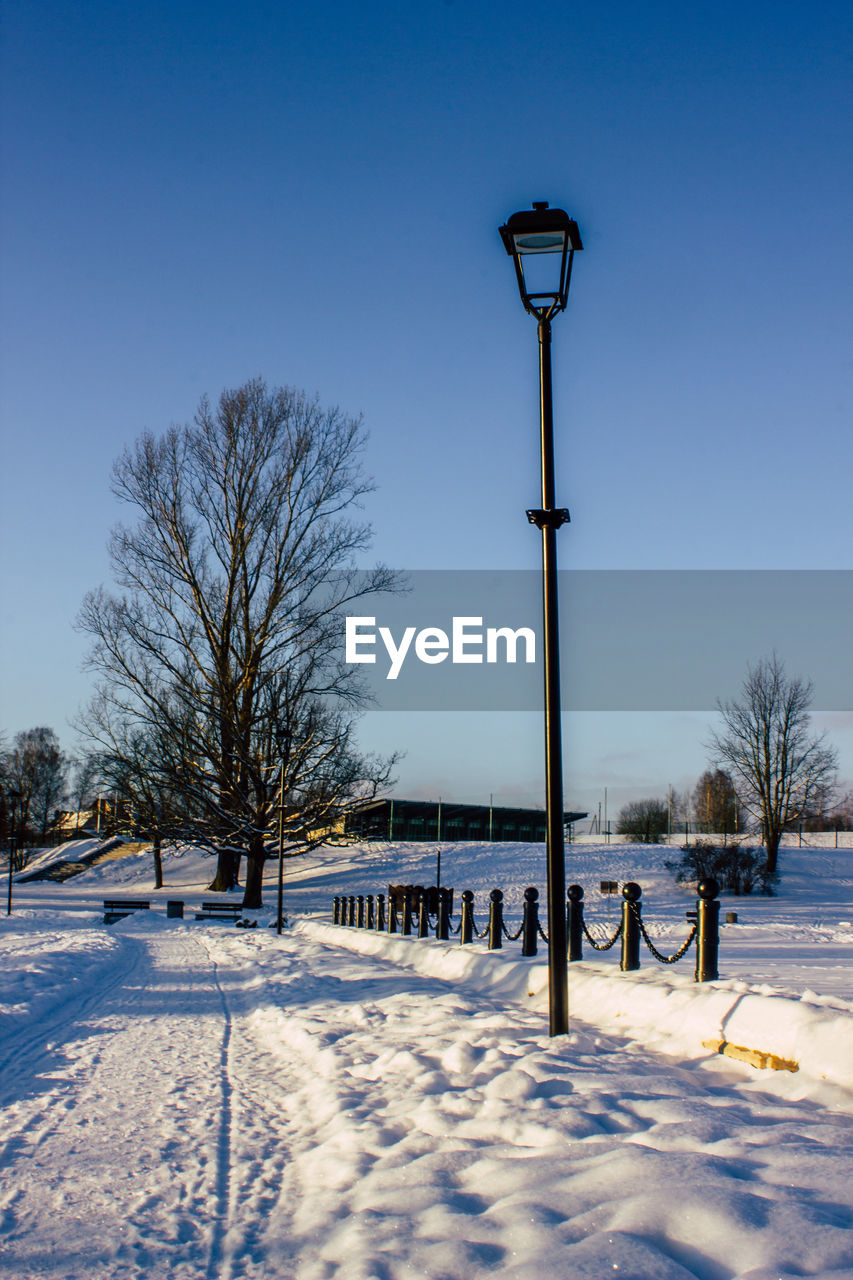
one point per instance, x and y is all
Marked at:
(195, 194)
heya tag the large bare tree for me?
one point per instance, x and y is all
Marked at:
(225, 647)
(781, 771)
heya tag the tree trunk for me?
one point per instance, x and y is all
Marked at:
(227, 866)
(772, 844)
(255, 862)
(158, 864)
(253, 896)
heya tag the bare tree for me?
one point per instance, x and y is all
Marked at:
(643, 820)
(36, 768)
(85, 782)
(781, 772)
(715, 802)
(225, 648)
(130, 765)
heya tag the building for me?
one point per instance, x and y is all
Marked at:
(434, 821)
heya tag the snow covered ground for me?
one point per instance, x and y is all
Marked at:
(183, 1099)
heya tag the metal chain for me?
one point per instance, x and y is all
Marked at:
(511, 937)
(542, 934)
(481, 933)
(598, 946)
(651, 946)
(450, 928)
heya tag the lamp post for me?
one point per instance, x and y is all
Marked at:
(545, 240)
(14, 797)
(279, 919)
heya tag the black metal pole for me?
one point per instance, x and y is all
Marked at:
(496, 908)
(549, 520)
(530, 922)
(14, 797)
(574, 920)
(708, 930)
(466, 930)
(631, 894)
(280, 917)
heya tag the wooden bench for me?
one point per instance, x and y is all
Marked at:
(220, 911)
(118, 908)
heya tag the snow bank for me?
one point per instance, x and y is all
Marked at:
(46, 963)
(667, 1012)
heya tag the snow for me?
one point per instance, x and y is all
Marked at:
(661, 1010)
(43, 859)
(190, 1100)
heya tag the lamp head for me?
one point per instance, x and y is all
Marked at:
(540, 231)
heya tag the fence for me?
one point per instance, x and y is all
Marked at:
(412, 909)
(796, 839)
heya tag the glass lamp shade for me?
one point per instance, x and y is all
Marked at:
(539, 242)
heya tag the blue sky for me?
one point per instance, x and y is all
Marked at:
(196, 194)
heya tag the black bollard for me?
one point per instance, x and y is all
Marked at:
(708, 930)
(380, 913)
(496, 919)
(466, 931)
(530, 923)
(336, 916)
(442, 924)
(359, 918)
(407, 912)
(369, 921)
(392, 913)
(574, 921)
(423, 914)
(630, 926)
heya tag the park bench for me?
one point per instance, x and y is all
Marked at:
(118, 908)
(220, 911)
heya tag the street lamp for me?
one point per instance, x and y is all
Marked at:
(542, 243)
(14, 797)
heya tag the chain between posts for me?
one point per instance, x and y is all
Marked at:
(598, 946)
(602, 946)
(682, 950)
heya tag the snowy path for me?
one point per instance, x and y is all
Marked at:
(231, 1105)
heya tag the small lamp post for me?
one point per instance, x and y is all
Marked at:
(279, 919)
(542, 242)
(14, 797)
